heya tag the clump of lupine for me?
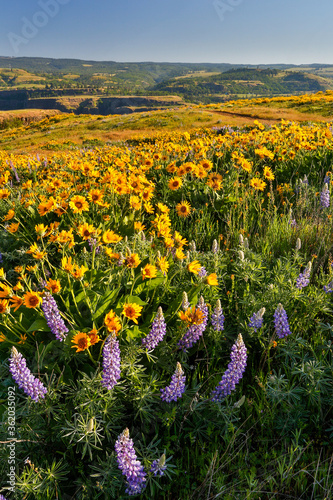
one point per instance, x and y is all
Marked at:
(256, 319)
(177, 387)
(217, 318)
(304, 278)
(235, 371)
(52, 315)
(128, 463)
(194, 332)
(31, 385)
(111, 362)
(157, 332)
(325, 196)
(281, 322)
(328, 288)
(158, 466)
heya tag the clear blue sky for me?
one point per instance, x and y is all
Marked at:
(234, 31)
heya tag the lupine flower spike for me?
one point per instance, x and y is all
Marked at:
(195, 331)
(215, 247)
(111, 362)
(218, 317)
(158, 467)
(31, 385)
(235, 371)
(175, 390)
(304, 278)
(325, 197)
(185, 302)
(256, 319)
(157, 332)
(281, 322)
(129, 464)
(53, 319)
(328, 288)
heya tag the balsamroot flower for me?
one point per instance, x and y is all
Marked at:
(256, 319)
(111, 362)
(31, 385)
(235, 371)
(175, 390)
(129, 464)
(281, 322)
(53, 318)
(304, 278)
(132, 311)
(157, 332)
(198, 320)
(217, 318)
(325, 197)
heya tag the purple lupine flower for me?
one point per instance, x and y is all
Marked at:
(195, 331)
(217, 318)
(53, 319)
(15, 172)
(93, 243)
(158, 467)
(129, 464)
(157, 332)
(281, 322)
(325, 197)
(175, 390)
(202, 272)
(2, 497)
(328, 288)
(31, 385)
(234, 372)
(111, 362)
(256, 319)
(304, 278)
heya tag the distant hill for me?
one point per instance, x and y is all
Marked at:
(46, 78)
(207, 88)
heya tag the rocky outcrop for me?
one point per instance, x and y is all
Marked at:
(96, 105)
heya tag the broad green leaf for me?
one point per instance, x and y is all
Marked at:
(106, 302)
(39, 324)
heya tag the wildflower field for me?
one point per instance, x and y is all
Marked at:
(166, 317)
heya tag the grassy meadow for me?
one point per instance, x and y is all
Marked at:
(166, 310)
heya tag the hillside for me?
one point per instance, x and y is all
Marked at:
(243, 82)
(21, 131)
(46, 77)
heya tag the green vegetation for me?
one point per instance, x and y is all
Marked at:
(39, 78)
(239, 218)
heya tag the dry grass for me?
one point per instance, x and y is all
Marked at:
(68, 129)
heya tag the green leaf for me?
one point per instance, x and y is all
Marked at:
(106, 301)
(39, 325)
(133, 333)
(149, 284)
(131, 299)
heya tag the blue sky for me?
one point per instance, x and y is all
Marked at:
(234, 31)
